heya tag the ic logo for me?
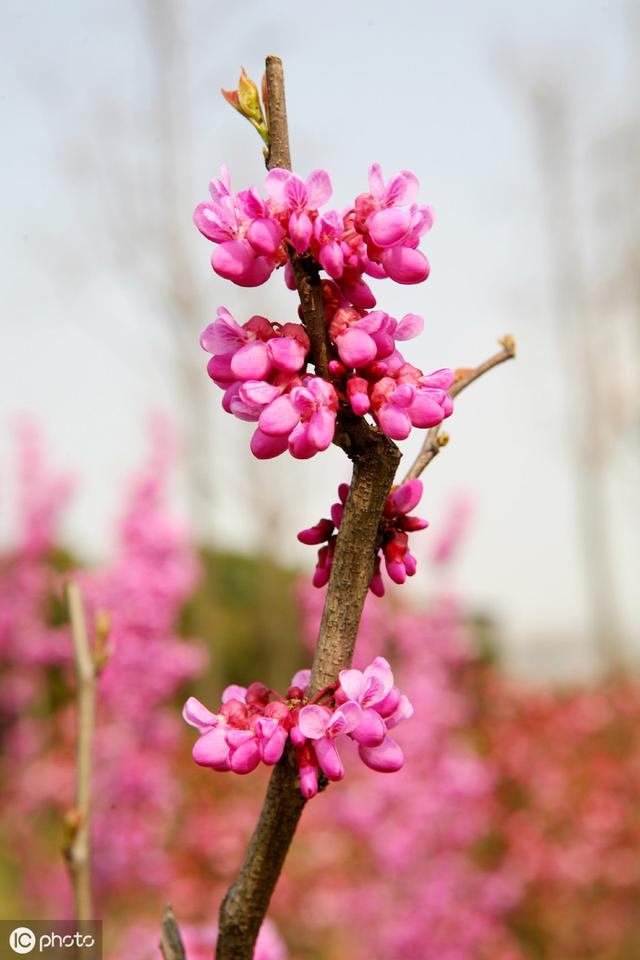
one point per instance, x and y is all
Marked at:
(22, 940)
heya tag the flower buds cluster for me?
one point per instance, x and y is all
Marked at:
(377, 236)
(254, 723)
(260, 366)
(395, 526)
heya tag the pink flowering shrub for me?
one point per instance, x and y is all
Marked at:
(142, 589)
(512, 830)
(262, 366)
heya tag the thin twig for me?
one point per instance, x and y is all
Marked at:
(171, 945)
(78, 849)
(375, 460)
(436, 439)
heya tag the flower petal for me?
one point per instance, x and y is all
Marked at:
(313, 721)
(329, 759)
(197, 715)
(279, 418)
(387, 758)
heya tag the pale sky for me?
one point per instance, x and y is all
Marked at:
(436, 88)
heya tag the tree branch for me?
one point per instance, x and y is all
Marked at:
(171, 945)
(435, 439)
(78, 849)
(375, 460)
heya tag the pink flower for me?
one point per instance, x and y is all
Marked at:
(395, 525)
(302, 420)
(322, 726)
(224, 221)
(328, 231)
(211, 750)
(368, 688)
(255, 349)
(300, 200)
(409, 398)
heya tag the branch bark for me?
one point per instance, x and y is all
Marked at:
(375, 460)
(78, 850)
(435, 439)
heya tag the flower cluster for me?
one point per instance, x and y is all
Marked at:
(395, 526)
(377, 236)
(262, 366)
(253, 724)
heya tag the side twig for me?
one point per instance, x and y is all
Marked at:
(78, 849)
(375, 460)
(436, 439)
(171, 945)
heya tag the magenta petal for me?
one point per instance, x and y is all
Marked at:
(258, 392)
(329, 759)
(319, 188)
(313, 721)
(332, 259)
(264, 447)
(222, 336)
(196, 714)
(275, 182)
(406, 497)
(379, 670)
(442, 379)
(409, 327)
(425, 411)
(387, 758)
(274, 747)
(396, 570)
(278, 418)
(300, 445)
(345, 719)
(389, 227)
(251, 361)
(300, 229)
(246, 757)
(301, 679)
(394, 422)
(211, 749)
(395, 190)
(257, 273)
(322, 427)
(308, 781)
(265, 236)
(234, 692)
(219, 369)
(359, 294)
(371, 730)
(356, 348)
(353, 683)
(405, 265)
(232, 259)
(404, 711)
(286, 354)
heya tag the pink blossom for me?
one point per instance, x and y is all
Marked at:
(395, 526)
(302, 420)
(323, 727)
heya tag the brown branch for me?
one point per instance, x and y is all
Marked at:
(375, 460)
(171, 945)
(435, 439)
(78, 848)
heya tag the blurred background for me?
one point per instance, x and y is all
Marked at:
(523, 126)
